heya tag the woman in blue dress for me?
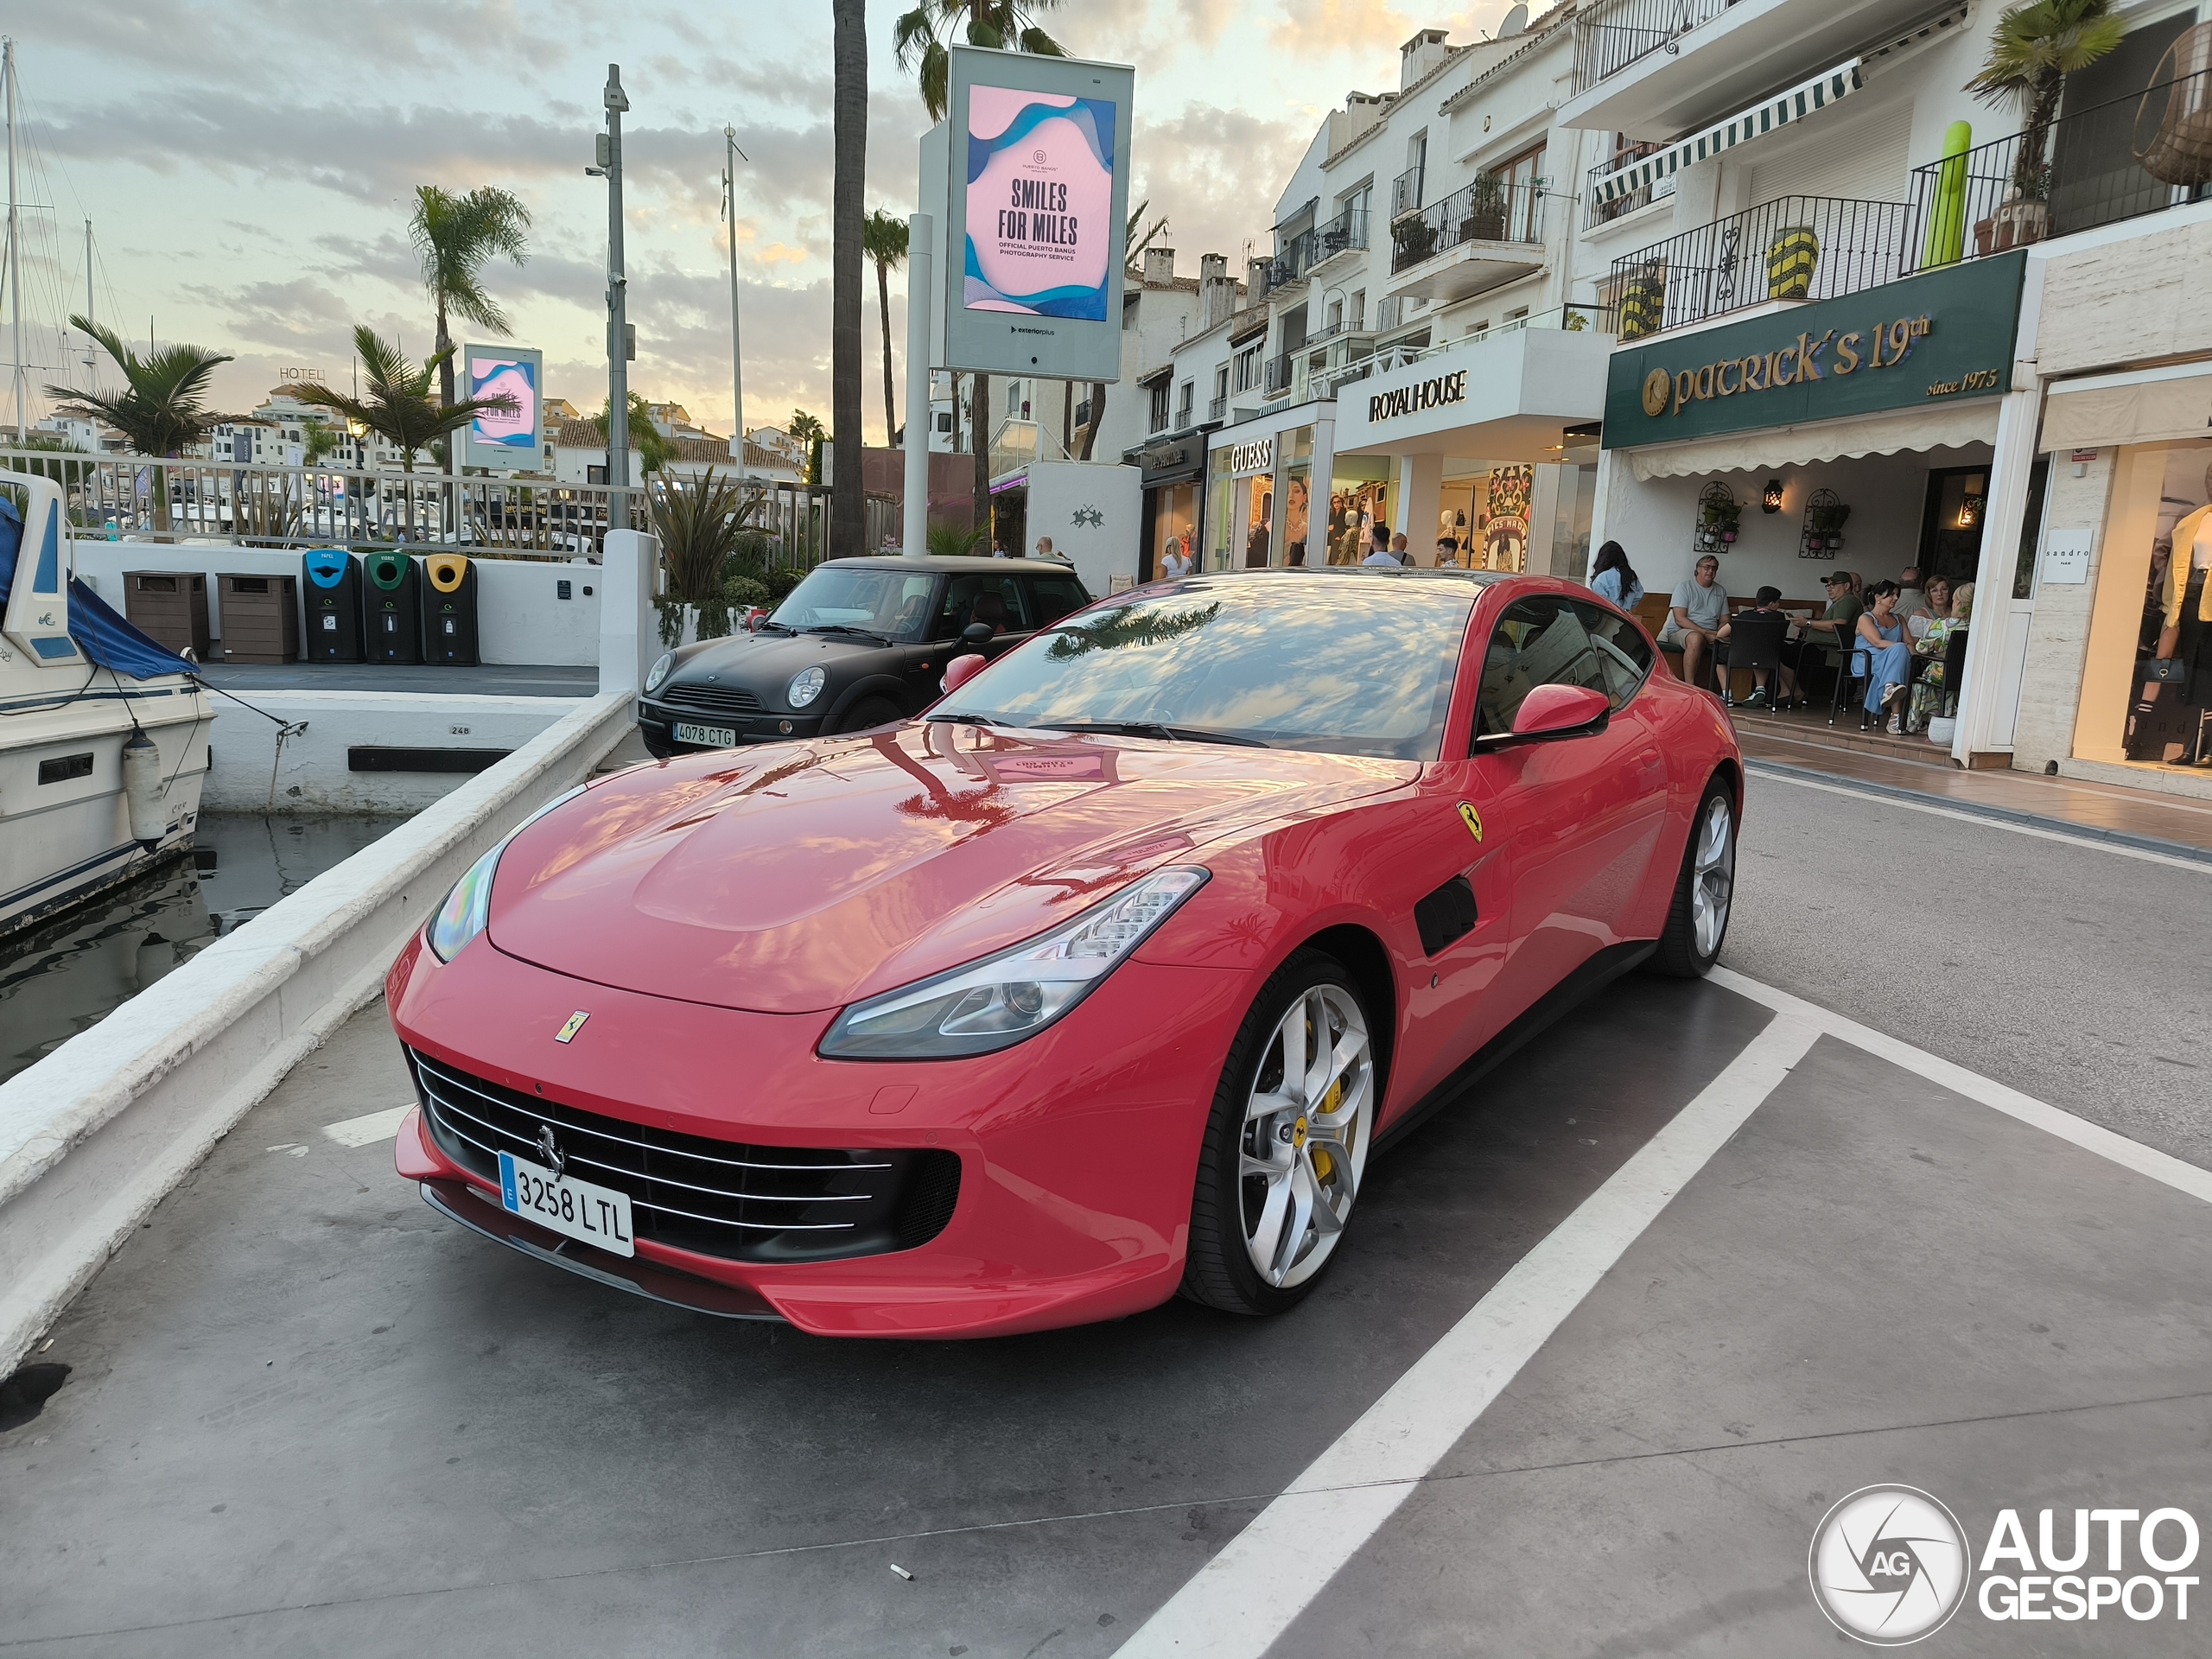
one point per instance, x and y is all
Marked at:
(1881, 636)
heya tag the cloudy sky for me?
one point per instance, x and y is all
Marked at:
(248, 171)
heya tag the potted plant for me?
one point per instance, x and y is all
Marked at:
(2031, 51)
(1485, 219)
(1718, 513)
(1415, 238)
(1824, 521)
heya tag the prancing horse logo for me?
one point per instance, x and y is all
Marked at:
(549, 1151)
(575, 1024)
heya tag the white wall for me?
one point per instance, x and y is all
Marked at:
(1058, 489)
(521, 620)
(1653, 522)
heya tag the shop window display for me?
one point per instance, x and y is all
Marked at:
(1359, 500)
(1174, 522)
(2170, 718)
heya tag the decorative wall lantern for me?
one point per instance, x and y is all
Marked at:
(1772, 501)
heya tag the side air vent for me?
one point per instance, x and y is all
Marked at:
(1445, 914)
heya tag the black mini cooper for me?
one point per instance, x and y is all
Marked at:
(859, 644)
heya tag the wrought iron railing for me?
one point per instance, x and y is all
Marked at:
(2111, 162)
(1405, 191)
(1596, 211)
(1281, 373)
(1216, 408)
(112, 497)
(1489, 210)
(1791, 248)
(1608, 38)
(1573, 318)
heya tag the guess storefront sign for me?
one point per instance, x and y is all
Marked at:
(1257, 456)
(1432, 393)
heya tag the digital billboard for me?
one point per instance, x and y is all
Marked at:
(509, 440)
(1039, 187)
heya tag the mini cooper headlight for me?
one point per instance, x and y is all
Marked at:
(468, 908)
(806, 685)
(1004, 999)
(658, 671)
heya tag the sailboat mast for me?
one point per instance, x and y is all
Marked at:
(730, 153)
(15, 238)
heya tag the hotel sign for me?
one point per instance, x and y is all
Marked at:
(1422, 394)
(1939, 336)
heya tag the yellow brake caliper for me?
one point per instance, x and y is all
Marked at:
(1325, 1166)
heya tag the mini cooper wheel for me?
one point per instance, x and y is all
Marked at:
(1286, 1143)
(870, 713)
(1697, 922)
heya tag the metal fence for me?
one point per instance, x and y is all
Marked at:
(1489, 210)
(1791, 248)
(1608, 39)
(2137, 155)
(1596, 211)
(115, 495)
(1572, 318)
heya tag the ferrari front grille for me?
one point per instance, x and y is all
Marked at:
(716, 1198)
(708, 699)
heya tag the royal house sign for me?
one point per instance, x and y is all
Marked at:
(1432, 393)
(1934, 338)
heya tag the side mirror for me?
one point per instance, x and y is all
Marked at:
(961, 670)
(978, 633)
(1560, 711)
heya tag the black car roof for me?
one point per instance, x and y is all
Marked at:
(937, 562)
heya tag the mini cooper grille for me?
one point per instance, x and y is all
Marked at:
(716, 1197)
(708, 699)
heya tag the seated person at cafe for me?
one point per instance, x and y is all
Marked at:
(1694, 620)
(1910, 597)
(1881, 632)
(1770, 604)
(1836, 624)
(1935, 646)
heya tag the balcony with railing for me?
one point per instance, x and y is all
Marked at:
(1596, 211)
(1573, 318)
(2132, 157)
(1405, 191)
(1608, 38)
(2138, 154)
(1483, 235)
(1284, 374)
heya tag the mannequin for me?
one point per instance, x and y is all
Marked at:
(2186, 603)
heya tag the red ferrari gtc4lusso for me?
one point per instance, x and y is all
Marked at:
(1100, 981)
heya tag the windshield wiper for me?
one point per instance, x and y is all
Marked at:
(846, 627)
(1151, 728)
(771, 622)
(965, 720)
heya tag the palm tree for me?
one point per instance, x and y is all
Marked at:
(2031, 51)
(809, 431)
(849, 105)
(397, 406)
(162, 409)
(918, 43)
(652, 450)
(453, 236)
(1009, 25)
(884, 239)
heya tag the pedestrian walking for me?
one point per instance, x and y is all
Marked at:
(1612, 577)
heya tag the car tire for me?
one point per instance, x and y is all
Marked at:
(1263, 1229)
(657, 747)
(868, 714)
(1697, 921)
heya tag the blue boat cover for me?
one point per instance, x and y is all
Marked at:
(102, 635)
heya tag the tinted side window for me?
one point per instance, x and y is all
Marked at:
(1547, 640)
(993, 598)
(1054, 597)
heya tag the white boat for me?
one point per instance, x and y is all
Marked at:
(103, 736)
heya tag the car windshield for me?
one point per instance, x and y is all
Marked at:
(893, 603)
(1344, 664)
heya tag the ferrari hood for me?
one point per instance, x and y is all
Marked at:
(794, 878)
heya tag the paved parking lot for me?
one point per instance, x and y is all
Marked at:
(1592, 1369)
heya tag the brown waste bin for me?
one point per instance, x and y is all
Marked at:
(170, 606)
(261, 619)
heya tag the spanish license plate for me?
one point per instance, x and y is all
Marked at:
(719, 737)
(561, 1203)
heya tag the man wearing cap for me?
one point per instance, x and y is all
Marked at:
(1696, 623)
(1837, 624)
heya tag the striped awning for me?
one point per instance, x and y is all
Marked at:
(1771, 116)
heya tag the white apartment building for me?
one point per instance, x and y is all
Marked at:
(1424, 350)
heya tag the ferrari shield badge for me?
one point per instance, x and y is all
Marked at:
(576, 1020)
(1468, 815)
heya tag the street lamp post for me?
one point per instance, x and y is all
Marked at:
(731, 156)
(618, 327)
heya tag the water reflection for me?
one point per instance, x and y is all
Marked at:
(67, 974)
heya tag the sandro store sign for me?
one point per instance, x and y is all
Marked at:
(1935, 338)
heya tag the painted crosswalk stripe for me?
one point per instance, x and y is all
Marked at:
(367, 1129)
(1253, 1591)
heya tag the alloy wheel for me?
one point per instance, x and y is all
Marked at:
(1712, 876)
(1306, 1132)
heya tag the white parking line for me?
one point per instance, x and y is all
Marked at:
(364, 1130)
(1251, 1593)
(1245, 1597)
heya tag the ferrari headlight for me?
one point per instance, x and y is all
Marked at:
(658, 671)
(806, 685)
(468, 908)
(1001, 1000)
